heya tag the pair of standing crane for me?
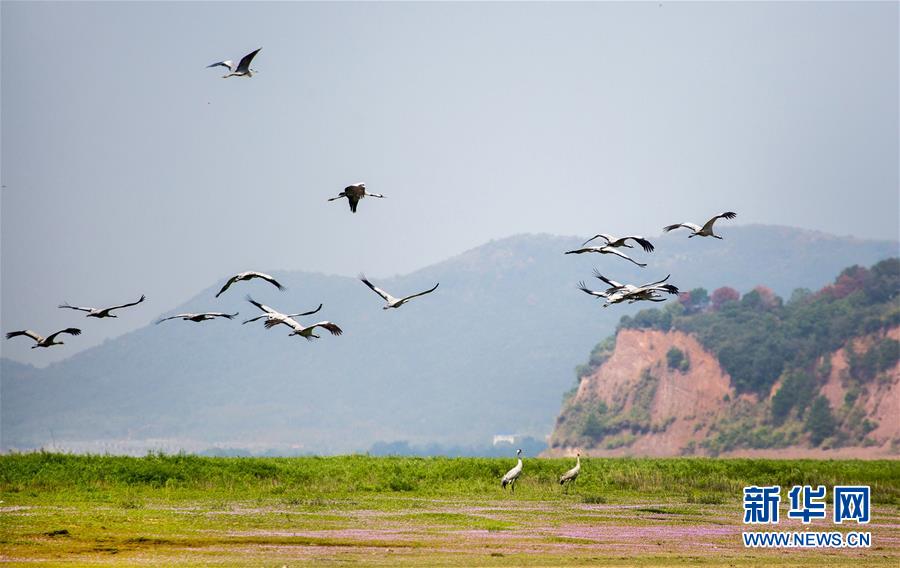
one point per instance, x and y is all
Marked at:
(512, 475)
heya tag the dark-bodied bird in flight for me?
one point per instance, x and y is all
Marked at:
(354, 193)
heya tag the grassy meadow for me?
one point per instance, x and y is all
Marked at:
(164, 509)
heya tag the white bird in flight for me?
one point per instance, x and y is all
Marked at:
(101, 312)
(40, 341)
(612, 241)
(354, 193)
(242, 69)
(393, 302)
(198, 317)
(704, 231)
(607, 249)
(274, 317)
(307, 331)
(249, 275)
(617, 292)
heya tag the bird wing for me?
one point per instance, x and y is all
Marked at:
(354, 202)
(231, 281)
(586, 290)
(604, 236)
(333, 328)
(377, 290)
(80, 309)
(571, 474)
(612, 283)
(726, 215)
(143, 297)
(263, 307)
(267, 278)
(254, 319)
(244, 65)
(69, 330)
(658, 282)
(581, 250)
(513, 473)
(645, 244)
(611, 250)
(219, 315)
(422, 293)
(306, 313)
(27, 332)
(686, 225)
(229, 64)
(176, 316)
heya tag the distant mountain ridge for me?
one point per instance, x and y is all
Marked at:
(492, 350)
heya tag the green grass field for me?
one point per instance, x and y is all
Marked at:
(160, 510)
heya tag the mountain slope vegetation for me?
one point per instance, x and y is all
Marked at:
(820, 370)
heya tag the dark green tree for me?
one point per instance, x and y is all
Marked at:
(820, 422)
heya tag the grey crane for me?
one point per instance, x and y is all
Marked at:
(41, 341)
(571, 475)
(101, 312)
(513, 474)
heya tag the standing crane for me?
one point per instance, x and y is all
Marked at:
(571, 475)
(704, 231)
(513, 474)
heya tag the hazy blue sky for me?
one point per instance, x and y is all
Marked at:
(130, 168)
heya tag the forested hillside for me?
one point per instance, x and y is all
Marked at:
(817, 370)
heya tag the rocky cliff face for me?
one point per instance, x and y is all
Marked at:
(661, 393)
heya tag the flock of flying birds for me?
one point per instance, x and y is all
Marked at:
(617, 293)
(614, 294)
